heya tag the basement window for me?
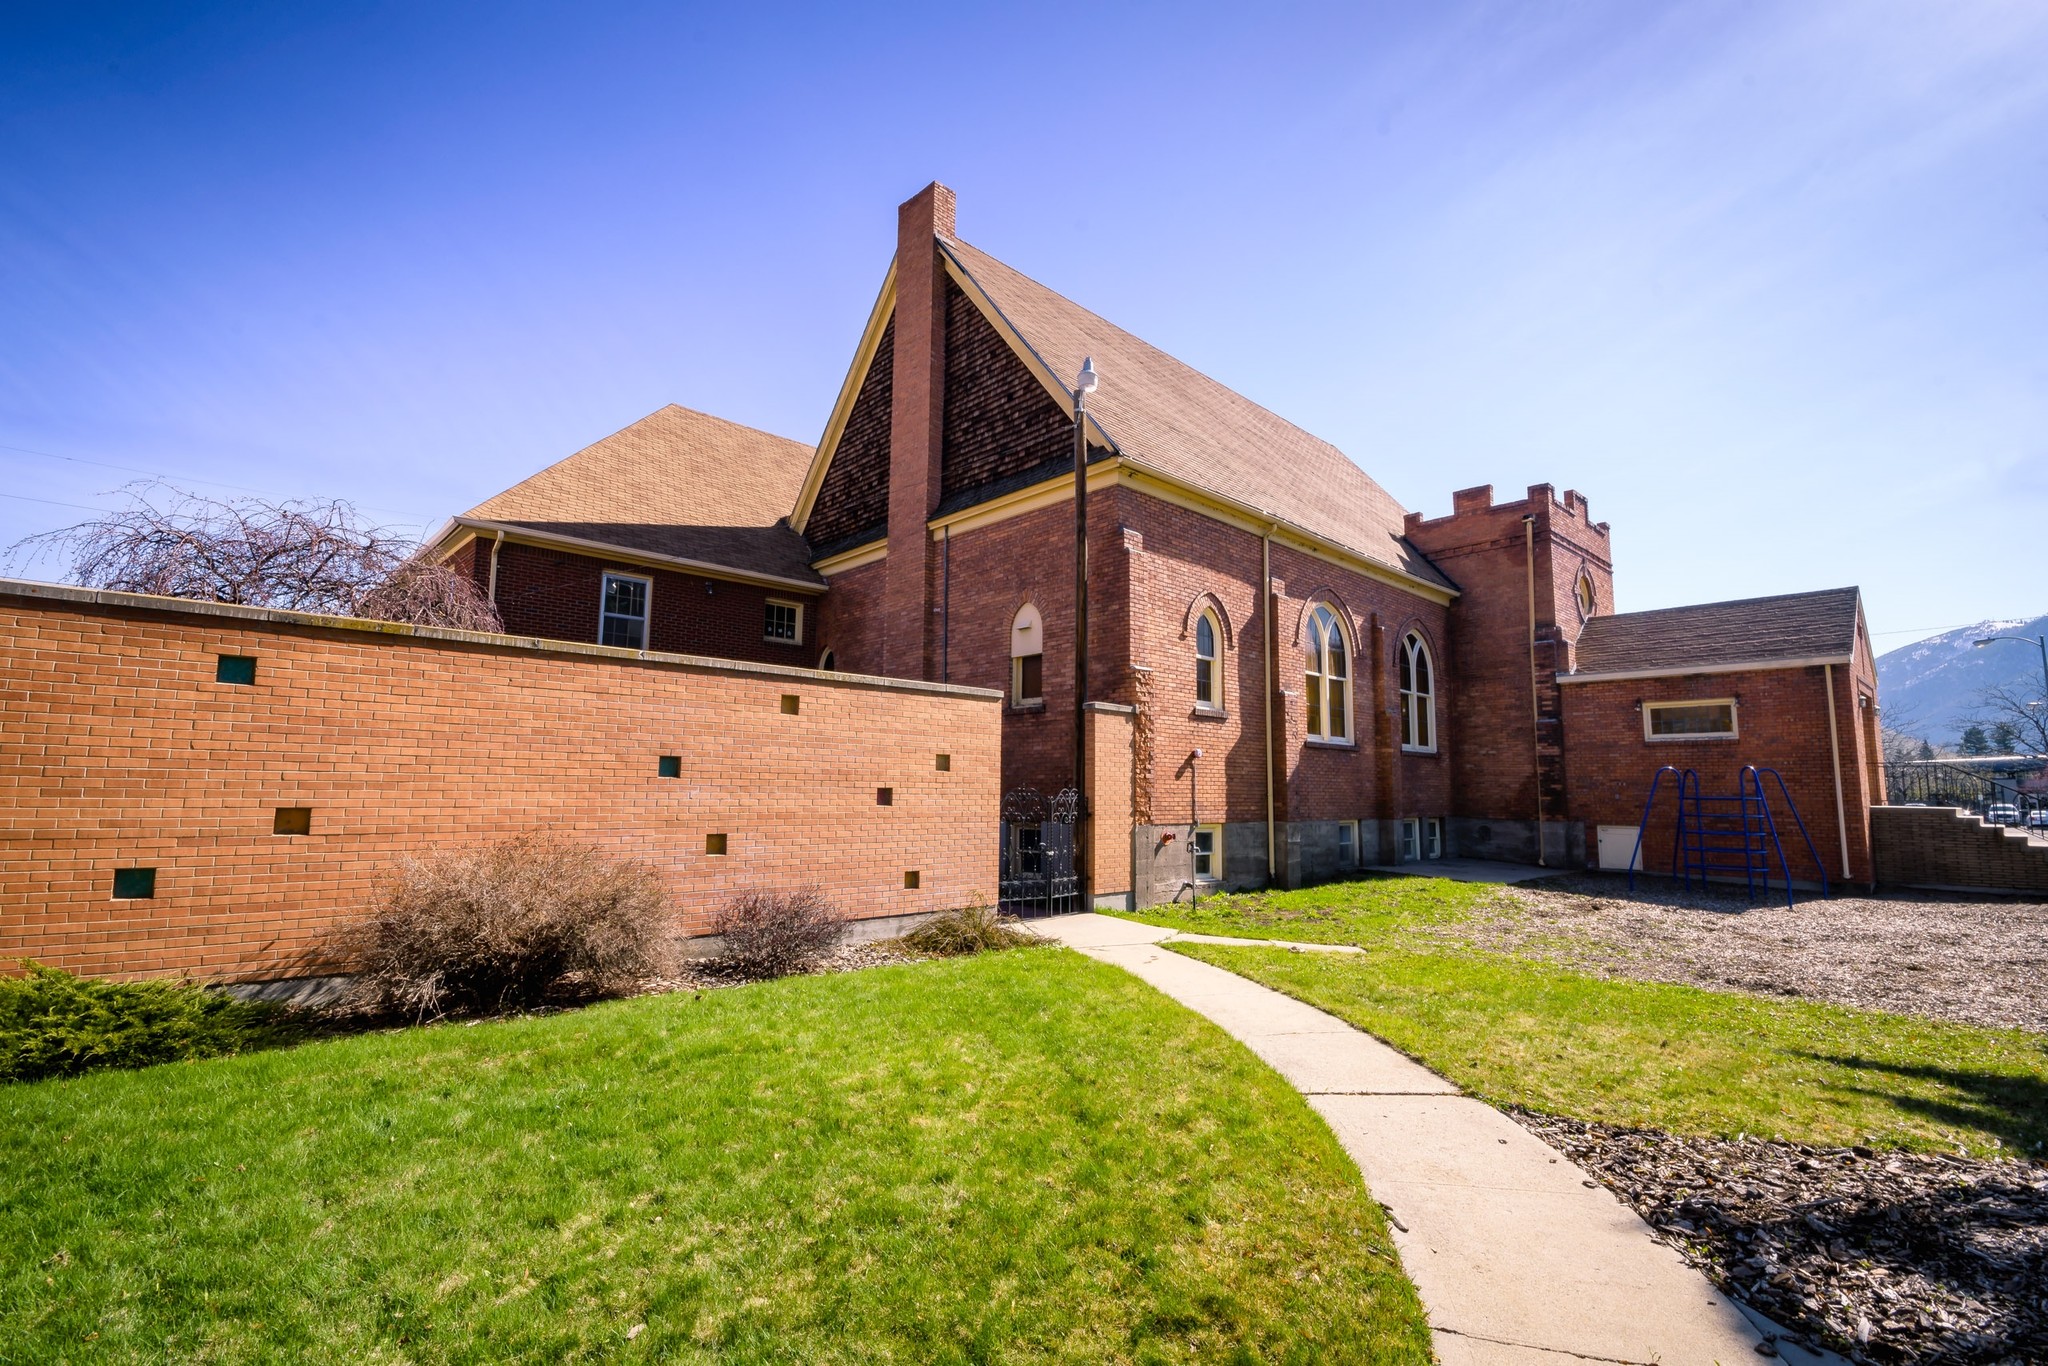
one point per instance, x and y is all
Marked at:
(714, 845)
(134, 884)
(669, 766)
(784, 624)
(1698, 720)
(623, 618)
(1205, 849)
(1347, 844)
(237, 669)
(292, 820)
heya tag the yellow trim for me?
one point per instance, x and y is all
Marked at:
(856, 376)
(852, 559)
(1120, 470)
(452, 551)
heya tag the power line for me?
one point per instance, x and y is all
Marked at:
(22, 497)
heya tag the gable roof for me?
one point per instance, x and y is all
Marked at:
(1165, 415)
(698, 487)
(1791, 628)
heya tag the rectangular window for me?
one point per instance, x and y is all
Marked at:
(236, 669)
(1205, 682)
(1411, 840)
(623, 621)
(1205, 843)
(1347, 844)
(668, 765)
(1711, 719)
(1432, 838)
(134, 884)
(292, 820)
(785, 623)
(1027, 679)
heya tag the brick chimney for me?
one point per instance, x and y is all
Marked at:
(916, 421)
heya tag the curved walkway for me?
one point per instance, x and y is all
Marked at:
(1521, 1260)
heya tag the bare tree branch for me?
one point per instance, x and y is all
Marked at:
(304, 555)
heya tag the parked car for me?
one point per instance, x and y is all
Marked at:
(2038, 818)
(2002, 813)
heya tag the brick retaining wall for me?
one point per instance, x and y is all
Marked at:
(121, 750)
(1940, 847)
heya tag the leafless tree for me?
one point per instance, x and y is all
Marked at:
(2017, 711)
(306, 555)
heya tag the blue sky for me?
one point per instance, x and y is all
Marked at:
(1768, 282)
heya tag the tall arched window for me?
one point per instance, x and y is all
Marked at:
(1208, 662)
(1329, 677)
(1027, 657)
(1418, 695)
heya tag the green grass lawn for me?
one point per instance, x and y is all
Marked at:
(1019, 1157)
(1365, 911)
(1673, 1057)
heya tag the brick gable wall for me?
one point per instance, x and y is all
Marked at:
(127, 753)
(999, 419)
(854, 496)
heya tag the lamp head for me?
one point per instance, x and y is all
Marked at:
(1085, 383)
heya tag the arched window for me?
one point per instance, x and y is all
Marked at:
(1208, 662)
(1418, 695)
(1583, 591)
(1027, 657)
(1329, 677)
(828, 661)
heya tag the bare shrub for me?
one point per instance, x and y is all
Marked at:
(971, 929)
(772, 934)
(304, 555)
(507, 925)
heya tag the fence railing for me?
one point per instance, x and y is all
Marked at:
(1996, 798)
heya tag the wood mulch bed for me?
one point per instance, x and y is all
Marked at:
(1884, 1257)
(1981, 962)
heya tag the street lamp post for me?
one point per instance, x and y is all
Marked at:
(2040, 643)
(1084, 385)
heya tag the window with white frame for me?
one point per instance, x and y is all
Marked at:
(622, 619)
(1208, 662)
(1432, 838)
(1347, 844)
(784, 623)
(1329, 677)
(1411, 840)
(1027, 657)
(1418, 696)
(1708, 719)
(1205, 852)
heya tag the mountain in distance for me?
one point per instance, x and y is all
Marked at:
(1929, 688)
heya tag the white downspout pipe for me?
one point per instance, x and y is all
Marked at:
(1835, 748)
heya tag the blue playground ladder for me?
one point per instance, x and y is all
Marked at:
(1726, 834)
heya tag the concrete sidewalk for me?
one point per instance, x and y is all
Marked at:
(1521, 1260)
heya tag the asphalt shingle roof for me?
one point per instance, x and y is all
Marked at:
(697, 487)
(1790, 626)
(1169, 416)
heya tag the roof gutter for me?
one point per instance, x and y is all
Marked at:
(518, 534)
(1684, 670)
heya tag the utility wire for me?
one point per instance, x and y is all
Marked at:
(173, 478)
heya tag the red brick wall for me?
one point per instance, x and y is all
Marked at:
(122, 751)
(1482, 547)
(999, 419)
(916, 423)
(850, 619)
(1782, 719)
(556, 594)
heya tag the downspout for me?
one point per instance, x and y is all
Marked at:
(1535, 688)
(1266, 607)
(495, 545)
(946, 609)
(1835, 748)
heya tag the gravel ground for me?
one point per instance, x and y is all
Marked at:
(1884, 1257)
(1973, 961)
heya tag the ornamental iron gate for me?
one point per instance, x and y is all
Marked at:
(1037, 866)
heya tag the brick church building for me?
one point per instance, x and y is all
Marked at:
(1289, 675)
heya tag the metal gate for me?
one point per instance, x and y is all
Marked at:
(1037, 867)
